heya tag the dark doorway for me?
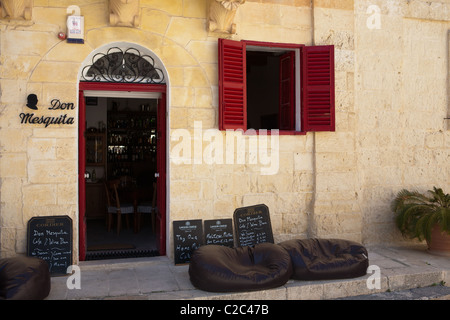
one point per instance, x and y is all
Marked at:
(122, 146)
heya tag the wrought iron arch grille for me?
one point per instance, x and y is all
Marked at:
(127, 66)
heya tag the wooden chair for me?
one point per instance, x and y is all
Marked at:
(147, 207)
(115, 207)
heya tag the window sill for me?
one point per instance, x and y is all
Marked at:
(252, 132)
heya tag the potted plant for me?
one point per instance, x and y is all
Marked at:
(425, 217)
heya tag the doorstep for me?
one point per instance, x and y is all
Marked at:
(157, 278)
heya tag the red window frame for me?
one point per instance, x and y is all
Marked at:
(317, 87)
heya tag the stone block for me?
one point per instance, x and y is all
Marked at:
(155, 20)
(303, 161)
(174, 55)
(335, 161)
(51, 71)
(303, 181)
(77, 53)
(327, 181)
(185, 190)
(203, 98)
(13, 165)
(207, 116)
(67, 194)
(11, 191)
(8, 240)
(178, 118)
(345, 288)
(422, 277)
(183, 97)
(183, 30)
(307, 291)
(212, 75)
(224, 208)
(14, 140)
(195, 77)
(52, 171)
(18, 67)
(41, 149)
(176, 76)
(66, 149)
(342, 5)
(204, 51)
(334, 141)
(434, 140)
(20, 42)
(172, 7)
(103, 36)
(195, 9)
(348, 223)
(39, 195)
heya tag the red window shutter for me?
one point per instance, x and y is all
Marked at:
(287, 92)
(318, 95)
(232, 85)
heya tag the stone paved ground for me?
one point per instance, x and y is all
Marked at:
(401, 270)
(437, 292)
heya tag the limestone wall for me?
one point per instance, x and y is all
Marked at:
(391, 101)
(401, 100)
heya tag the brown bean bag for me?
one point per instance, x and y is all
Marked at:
(325, 259)
(24, 278)
(217, 268)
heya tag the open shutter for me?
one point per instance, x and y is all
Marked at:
(287, 92)
(232, 85)
(318, 95)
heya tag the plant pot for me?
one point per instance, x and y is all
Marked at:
(439, 243)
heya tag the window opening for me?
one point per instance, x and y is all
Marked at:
(304, 87)
(263, 94)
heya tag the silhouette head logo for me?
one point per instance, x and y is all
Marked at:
(32, 101)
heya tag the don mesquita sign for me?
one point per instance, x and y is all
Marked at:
(55, 118)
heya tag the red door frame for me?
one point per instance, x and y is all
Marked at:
(161, 156)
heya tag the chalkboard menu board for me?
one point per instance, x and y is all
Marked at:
(50, 238)
(188, 236)
(219, 232)
(252, 225)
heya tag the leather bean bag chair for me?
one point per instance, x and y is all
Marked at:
(217, 268)
(24, 278)
(326, 259)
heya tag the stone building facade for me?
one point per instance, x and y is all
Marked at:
(391, 100)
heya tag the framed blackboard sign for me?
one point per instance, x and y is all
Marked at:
(219, 232)
(50, 238)
(252, 225)
(187, 236)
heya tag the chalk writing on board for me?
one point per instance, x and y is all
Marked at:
(253, 225)
(188, 236)
(50, 238)
(219, 232)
